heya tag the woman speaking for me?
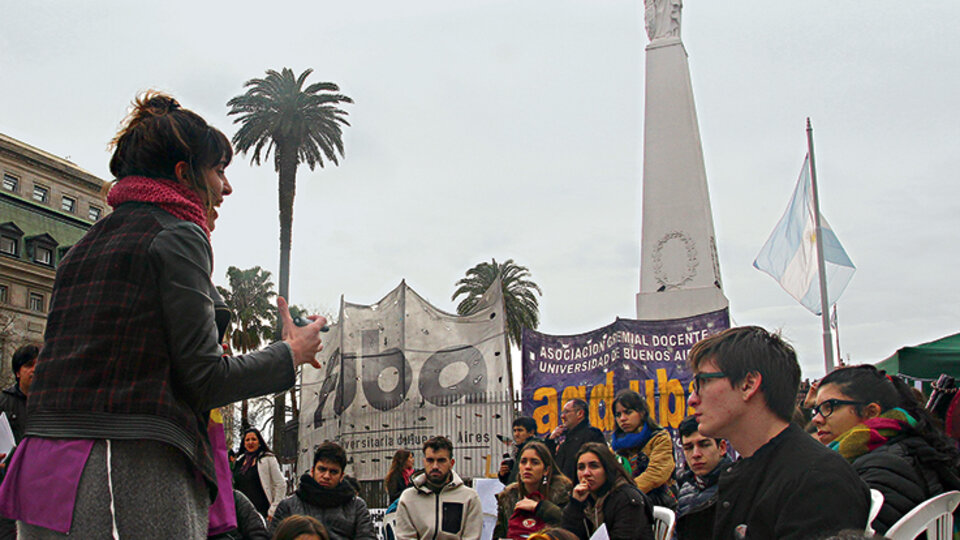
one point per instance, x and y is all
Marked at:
(116, 445)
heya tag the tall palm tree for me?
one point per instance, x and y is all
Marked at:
(523, 308)
(249, 301)
(299, 125)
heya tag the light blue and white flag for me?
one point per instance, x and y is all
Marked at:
(790, 254)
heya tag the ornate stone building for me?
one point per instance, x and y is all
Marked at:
(46, 204)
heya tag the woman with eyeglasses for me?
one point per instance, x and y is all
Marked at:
(894, 444)
(605, 495)
(646, 448)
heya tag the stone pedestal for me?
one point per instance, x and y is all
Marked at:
(679, 268)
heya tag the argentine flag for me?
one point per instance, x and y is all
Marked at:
(790, 254)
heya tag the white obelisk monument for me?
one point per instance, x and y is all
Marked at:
(679, 268)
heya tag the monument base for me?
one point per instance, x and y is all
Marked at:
(679, 303)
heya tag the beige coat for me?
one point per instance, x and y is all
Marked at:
(271, 480)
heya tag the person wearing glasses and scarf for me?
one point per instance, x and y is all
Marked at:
(875, 423)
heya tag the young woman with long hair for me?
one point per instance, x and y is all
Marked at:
(132, 363)
(646, 447)
(895, 445)
(536, 500)
(398, 477)
(606, 495)
(257, 474)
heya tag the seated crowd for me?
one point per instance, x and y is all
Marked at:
(748, 469)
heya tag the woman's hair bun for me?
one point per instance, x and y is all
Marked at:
(154, 103)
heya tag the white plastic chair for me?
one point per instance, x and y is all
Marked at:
(876, 501)
(933, 516)
(663, 522)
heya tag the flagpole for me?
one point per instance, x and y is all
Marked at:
(836, 327)
(821, 267)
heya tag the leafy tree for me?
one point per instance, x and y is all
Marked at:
(523, 308)
(299, 125)
(249, 300)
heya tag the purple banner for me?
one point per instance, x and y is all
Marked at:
(648, 356)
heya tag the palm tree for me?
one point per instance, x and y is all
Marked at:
(299, 125)
(523, 308)
(249, 301)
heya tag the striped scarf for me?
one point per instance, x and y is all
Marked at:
(872, 433)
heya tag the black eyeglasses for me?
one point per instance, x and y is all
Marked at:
(700, 377)
(826, 408)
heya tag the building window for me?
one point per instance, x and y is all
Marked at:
(43, 256)
(68, 204)
(3, 294)
(11, 182)
(40, 193)
(94, 213)
(9, 246)
(36, 302)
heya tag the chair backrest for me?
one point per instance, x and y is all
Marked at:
(876, 501)
(933, 516)
(663, 522)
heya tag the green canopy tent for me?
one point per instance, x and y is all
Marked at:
(927, 361)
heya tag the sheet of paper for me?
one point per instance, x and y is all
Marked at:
(489, 524)
(600, 533)
(6, 435)
(488, 488)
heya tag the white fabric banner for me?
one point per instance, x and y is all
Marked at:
(410, 371)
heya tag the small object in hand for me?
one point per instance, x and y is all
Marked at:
(303, 321)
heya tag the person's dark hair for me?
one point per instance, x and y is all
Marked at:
(264, 449)
(295, 525)
(331, 451)
(556, 476)
(526, 423)
(868, 384)
(689, 426)
(438, 443)
(751, 349)
(611, 467)
(158, 133)
(23, 356)
(397, 465)
(628, 399)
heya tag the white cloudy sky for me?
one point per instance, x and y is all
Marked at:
(513, 130)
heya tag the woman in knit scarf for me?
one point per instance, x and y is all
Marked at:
(131, 365)
(398, 477)
(894, 444)
(646, 449)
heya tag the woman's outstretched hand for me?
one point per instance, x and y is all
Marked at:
(305, 341)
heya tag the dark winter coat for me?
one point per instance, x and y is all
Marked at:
(339, 509)
(566, 454)
(250, 525)
(624, 509)
(896, 470)
(697, 502)
(791, 488)
(13, 402)
(131, 349)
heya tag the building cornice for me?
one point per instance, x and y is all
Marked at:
(34, 157)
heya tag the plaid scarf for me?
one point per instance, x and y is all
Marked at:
(175, 198)
(872, 433)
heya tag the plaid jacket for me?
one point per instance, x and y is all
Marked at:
(131, 349)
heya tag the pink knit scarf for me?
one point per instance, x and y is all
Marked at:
(177, 199)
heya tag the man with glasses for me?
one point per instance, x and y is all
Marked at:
(787, 485)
